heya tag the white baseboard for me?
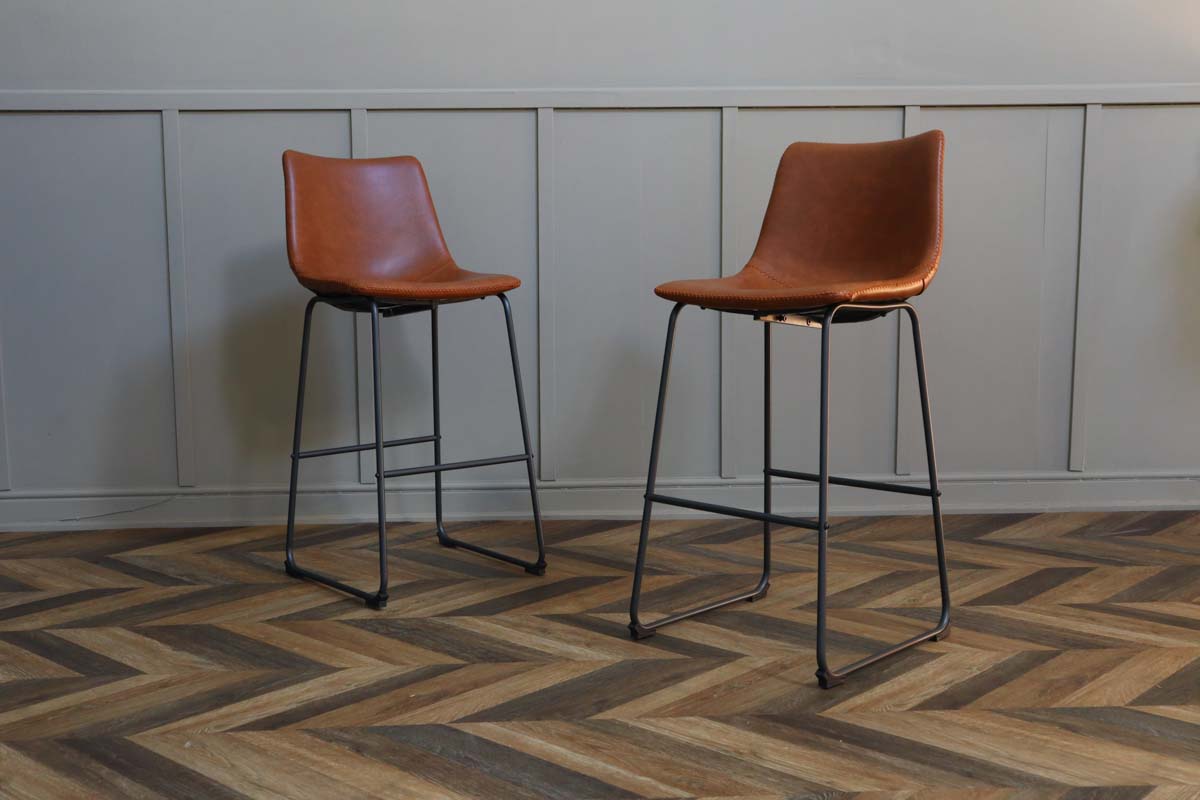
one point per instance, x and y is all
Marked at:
(578, 500)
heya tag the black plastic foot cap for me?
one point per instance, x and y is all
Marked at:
(291, 569)
(758, 596)
(447, 542)
(828, 681)
(945, 634)
(537, 569)
(637, 631)
(377, 602)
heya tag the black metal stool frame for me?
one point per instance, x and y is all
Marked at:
(377, 309)
(822, 318)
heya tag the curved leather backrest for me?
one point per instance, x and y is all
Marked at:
(355, 220)
(855, 211)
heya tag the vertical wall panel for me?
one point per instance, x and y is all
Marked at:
(1089, 278)
(481, 167)
(1060, 273)
(638, 203)
(185, 438)
(84, 301)
(631, 197)
(864, 356)
(547, 401)
(998, 320)
(1144, 376)
(729, 266)
(245, 308)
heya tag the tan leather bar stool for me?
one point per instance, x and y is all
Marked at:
(363, 235)
(851, 232)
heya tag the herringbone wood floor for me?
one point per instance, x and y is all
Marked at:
(183, 664)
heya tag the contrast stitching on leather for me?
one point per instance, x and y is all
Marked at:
(767, 275)
(941, 200)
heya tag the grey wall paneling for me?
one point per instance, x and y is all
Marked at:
(481, 167)
(1140, 292)
(364, 392)
(185, 436)
(637, 198)
(907, 406)
(245, 308)
(729, 266)
(547, 399)
(593, 197)
(5, 473)
(863, 367)
(84, 302)
(1085, 307)
(998, 319)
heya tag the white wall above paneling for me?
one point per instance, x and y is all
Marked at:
(438, 44)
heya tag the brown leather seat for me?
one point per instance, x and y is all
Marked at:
(845, 223)
(368, 227)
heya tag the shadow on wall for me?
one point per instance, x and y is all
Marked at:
(1185, 298)
(256, 365)
(256, 352)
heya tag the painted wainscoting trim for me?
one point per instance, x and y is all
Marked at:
(1070, 488)
(600, 499)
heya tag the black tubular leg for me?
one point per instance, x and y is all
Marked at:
(376, 599)
(765, 581)
(437, 429)
(533, 567)
(637, 629)
(943, 627)
(289, 563)
(380, 493)
(826, 676)
(539, 567)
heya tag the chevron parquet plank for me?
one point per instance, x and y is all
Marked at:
(181, 663)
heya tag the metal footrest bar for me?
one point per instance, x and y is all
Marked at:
(452, 465)
(920, 491)
(828, 678)
(730, 511)
(377, 309)
(375, 600)
(826, 675)
(358, 448)
(638, 630)
(532, 567)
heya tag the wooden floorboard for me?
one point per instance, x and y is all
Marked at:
(184, 664)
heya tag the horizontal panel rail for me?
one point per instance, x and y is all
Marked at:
(731, 511)
(881, 486)
(631, 97)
